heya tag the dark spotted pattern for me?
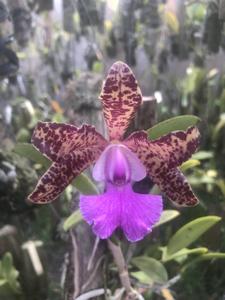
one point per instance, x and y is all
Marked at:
(121, 97)
(162, 157)
(176, 187)
(71, 149)
(56, 141)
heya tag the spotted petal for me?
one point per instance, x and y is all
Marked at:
(176, 187)
(120, 207)
(53, 182)
(72, 150)
(57, 141)
(120, 98)
(170, 150)
(161, 159)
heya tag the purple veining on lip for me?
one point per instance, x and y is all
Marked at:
(120, 206)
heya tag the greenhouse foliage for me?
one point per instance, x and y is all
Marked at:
(56, 59)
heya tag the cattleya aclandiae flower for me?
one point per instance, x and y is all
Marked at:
(118, 162)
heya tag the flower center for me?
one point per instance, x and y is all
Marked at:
(117, 169)
(118, 165)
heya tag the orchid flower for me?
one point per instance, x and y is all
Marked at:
(117, 162)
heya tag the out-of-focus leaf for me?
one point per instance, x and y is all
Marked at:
(182, 252)
(152, 267)
(201, 155)
(167, 215)
(196, 11)
(173, 124)
(3, 282)
(28, 151)
(190, 232)
(72, 220)
(58, 118)
(142, 277)
(204, 179)
(23, 135)
(85, 185)
(211, 255)
(194, 79)
(189, 164)
(97, 67)
(81, 182)
(207, 256)
(221, 184)
(9, 273)
(219, 126)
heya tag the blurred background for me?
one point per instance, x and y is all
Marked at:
(54, 55)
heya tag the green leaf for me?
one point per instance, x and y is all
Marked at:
(97, 67)
(190, 232)
(221, 184)
(72, 220)
(219, 126)
(3, 282)
(142, 277)
(28, 151)
(7, 264)
(85, 185)
(189, 164)
(207, 256)
(212, 255)
(152, 268)
(173, 124)
(167, 215)
(182, 252)
(10, 273)
(82, 183)
(196, 11)
(201, 155)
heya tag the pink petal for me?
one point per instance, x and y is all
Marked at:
(121, 208)
(57, 141)
(120, 98)
(113, 158)
(161, 158)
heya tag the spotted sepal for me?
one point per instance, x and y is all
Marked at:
(53, 183)
(71, 149)
(169, 151)
(178, 146)
(121, 97)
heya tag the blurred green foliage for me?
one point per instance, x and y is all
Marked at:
(9, 284)
(183, 53)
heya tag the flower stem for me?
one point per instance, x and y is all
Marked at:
(121, 265)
